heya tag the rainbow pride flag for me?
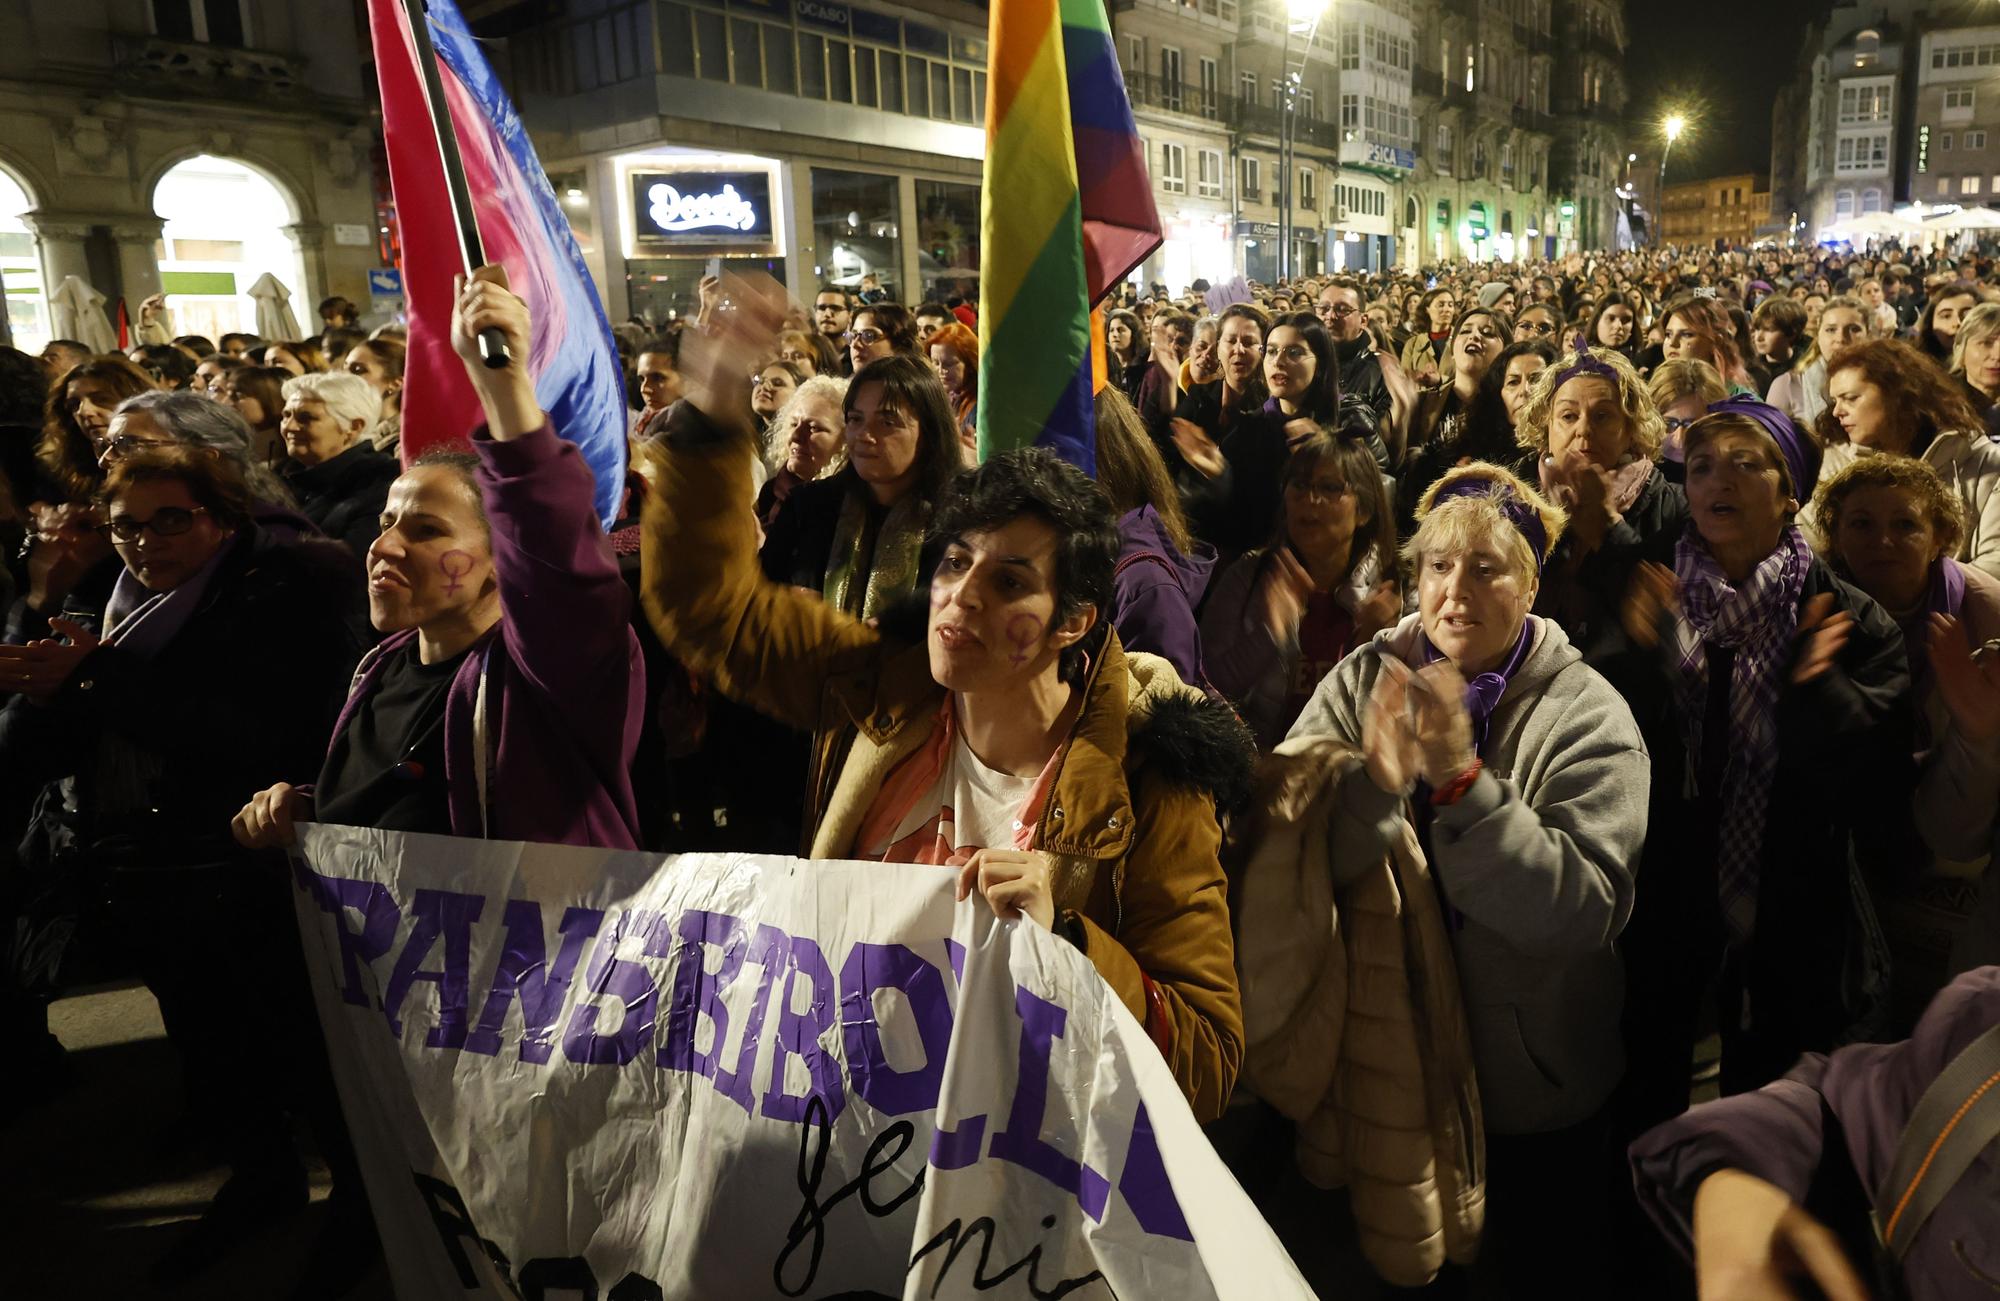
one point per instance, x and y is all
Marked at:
(1052, 245)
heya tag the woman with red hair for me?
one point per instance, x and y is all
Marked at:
(1698, 327)
(954, 351)
(1887, 398)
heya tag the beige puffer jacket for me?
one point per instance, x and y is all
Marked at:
(1353, 1018)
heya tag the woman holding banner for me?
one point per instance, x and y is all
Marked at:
(506, 699)
(1018, 744)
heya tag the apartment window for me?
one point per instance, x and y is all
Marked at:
(1944, 142)
(1968, 185)
(1211, 84)
(1862, 153)
(1170, 78)
(1246, 88)
(1209, 176)
(1864, 103)
(1975, 139)
(1350, 112)
(1135, 55)
(1253, 179)
(1277, 94)
(1843, 204)
(1173, 168)
(1308, 106)
(1308, 194)
(1445, 148)
(1507, 162)
(1479, 159)
(1959, 100)
(1350, 49)
(212, 22)
(1944, 185)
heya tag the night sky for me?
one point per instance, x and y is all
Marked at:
(1721, 59)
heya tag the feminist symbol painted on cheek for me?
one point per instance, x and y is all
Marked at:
(1023, 630)
(454, 565)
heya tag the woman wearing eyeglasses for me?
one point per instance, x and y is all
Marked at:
(1682, 392)
(221, 664)
(884, 330)
(773, 386)
(1281, 617)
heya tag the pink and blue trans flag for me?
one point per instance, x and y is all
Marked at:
(572, 357)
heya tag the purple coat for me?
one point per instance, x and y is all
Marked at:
(542, 719)
(1776, 1134)
(1156, 591)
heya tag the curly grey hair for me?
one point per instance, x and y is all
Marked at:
(820, 388)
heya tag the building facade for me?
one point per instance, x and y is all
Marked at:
(1955, 155)
(1722, 209)
(1483, 83)
(1588, 162)
(184, 146)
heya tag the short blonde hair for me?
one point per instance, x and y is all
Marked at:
(1459, 523)
(1642, 419)
(346, 397)
(1685, 378)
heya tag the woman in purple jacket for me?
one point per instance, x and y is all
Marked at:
(506, 700)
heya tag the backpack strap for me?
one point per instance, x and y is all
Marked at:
(1138, 557)
(1955, 1120)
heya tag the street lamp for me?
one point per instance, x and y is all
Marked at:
(1673, 126)
(1302, 17)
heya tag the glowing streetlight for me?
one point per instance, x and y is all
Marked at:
(1671, 127)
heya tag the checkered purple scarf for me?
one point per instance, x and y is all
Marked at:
(1756, 620)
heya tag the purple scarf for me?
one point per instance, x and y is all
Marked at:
(1945, 595)
(1483, 691)
(1756, 621)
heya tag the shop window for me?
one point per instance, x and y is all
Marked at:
(711, 48)
(839, 73)
(948, 231)
(812, 66)
(866, 93)
(746, 52)
(676, 41)
(855, 231)
(780, 67)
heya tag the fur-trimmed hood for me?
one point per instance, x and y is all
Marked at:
(1194, 740)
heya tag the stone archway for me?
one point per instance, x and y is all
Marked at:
(21, 270)
(225, 222)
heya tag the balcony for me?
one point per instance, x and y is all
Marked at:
(1255, 119)
(1427, 81)
(187, 69)
(1529, 118)
(1173, 96)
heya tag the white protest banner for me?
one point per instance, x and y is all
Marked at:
(583, 1073)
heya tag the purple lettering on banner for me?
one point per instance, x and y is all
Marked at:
(623, 979)
(799, 1036)
(954, 1149)
(524, 969)
(696, 992)
(870, 967)
(1145, 1186)
(767, 950)
(436, 913)
(1021, 1142)
(335, 895)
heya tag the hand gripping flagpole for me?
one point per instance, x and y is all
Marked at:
(493, 349)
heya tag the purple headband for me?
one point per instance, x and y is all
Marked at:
(1791, 443)
(1585, 364)
(1527, 521)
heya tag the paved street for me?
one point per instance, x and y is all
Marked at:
(94, 1186)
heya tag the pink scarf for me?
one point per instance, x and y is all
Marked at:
(917, 776)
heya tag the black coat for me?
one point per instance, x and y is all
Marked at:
(243, 696)
(1587, 596)
(1236, 511)
(1815, 970)
(1361, 377)
(344, 496)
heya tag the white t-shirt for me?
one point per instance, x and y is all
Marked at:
(972, 807)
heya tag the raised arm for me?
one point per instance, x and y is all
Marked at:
(567, 612)
(763, 643)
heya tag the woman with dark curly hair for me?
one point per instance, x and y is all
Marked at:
(75, 420)
(1697, 326)
(1885, 398)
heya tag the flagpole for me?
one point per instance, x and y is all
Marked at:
(493, 348)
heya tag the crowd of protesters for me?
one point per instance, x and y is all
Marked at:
(1639, 612)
